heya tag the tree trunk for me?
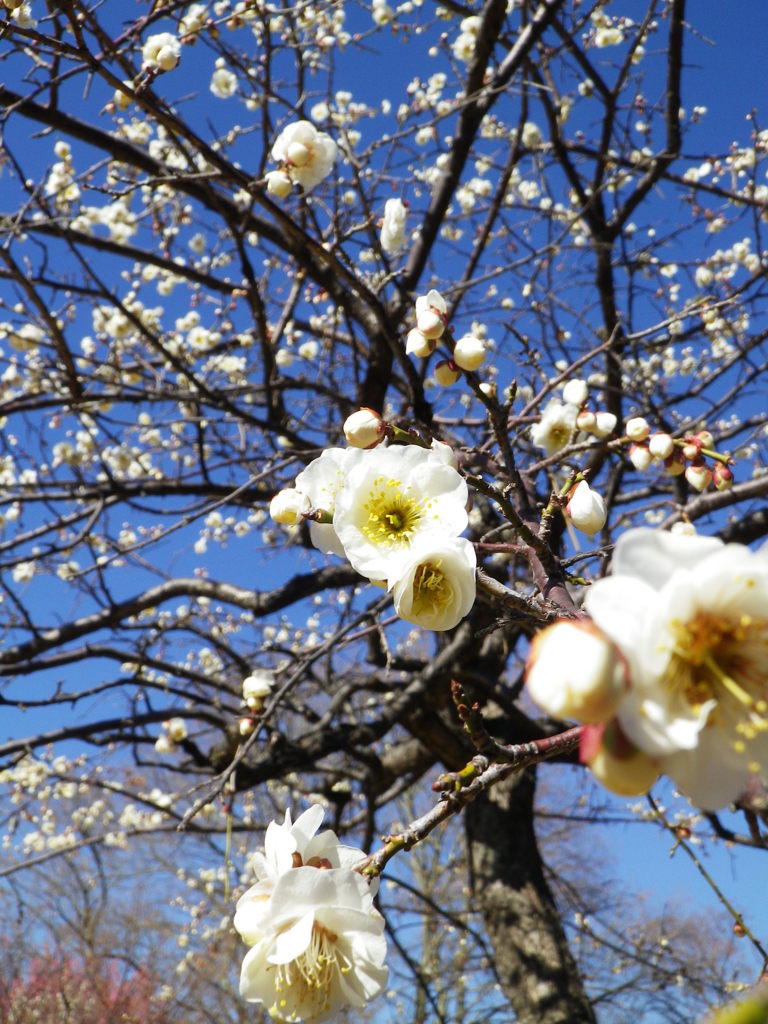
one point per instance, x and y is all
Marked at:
(534, 964)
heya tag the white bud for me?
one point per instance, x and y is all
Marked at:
(699, 477)
(637, 429)
(469, 352)
(430, 323)
(364, 429)
(164, 744)
(586, 421)
(289, 506)
(257, 686)
(446, 373)
(417, 344)
(639, 456)
(575, 392)
(586, 509)
(246, 726)
(605, 424)
(574, 671)
(278, 183)
(661, 446)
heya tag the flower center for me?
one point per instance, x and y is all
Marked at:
(310, 978)
(431, 590)
(727, 661)
(394, 516)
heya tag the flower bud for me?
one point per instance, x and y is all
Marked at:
(637, 429)
(446, 373)
(297, 154)
(574, 671)
(661, 446)
(692, 448)
(418, 344)
(605, 424)
(167, 58)
(615, 761)
(469, 352)
(489, 389)
(121, 99)
(674, 464)
(430, 323)
(586, 420)
(705, 439)
(289, 506)
(575, 392)
(722, 477)
(278, 184)
(698, 476)
(586, 509)
(164, 744)
(639, 456)
(364, 429)
(245, 726)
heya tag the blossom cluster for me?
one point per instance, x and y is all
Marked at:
(396, 513)
(687, 455)
(671, 674)
(316, 939)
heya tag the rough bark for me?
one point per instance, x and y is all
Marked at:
(532, 959)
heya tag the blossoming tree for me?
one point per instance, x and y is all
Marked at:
(447, 322)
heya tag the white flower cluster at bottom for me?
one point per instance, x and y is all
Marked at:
(317, 942)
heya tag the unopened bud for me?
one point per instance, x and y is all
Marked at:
(246, 726)
(364, 429)
(699, 476)
(674, 464)
(418, 344)
(705, 439)
(637, 429)
(722, 477)
(446, 373)
(586, 421)
(430, 323)
(639, 456)
(739, 930)
(586, 509)
(289, 506)
(615, 761)
(661, 446)
(692, 447)
(575, 392)
(488, 387)
(469, 352)
(605, 424)
(574, 671)
(278, 184)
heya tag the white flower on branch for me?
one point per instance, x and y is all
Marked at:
(554, 429)
(318, 942)
(306, 154)
(393, 225)
(161, 52)
(321, 481)
(690, 615)
(436, 586)
(392, 499)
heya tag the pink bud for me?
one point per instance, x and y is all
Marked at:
(705, 439)
(722, 477)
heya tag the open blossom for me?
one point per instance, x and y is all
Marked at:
(690, 614)
(436, 586)
(306, 154)
(317, 940)
(256, 687)
(554, 429)
(574, 671)
(392, 499)
(321, 481)
(161, 52)
(223, 81)
(393, 225)
(586, 509)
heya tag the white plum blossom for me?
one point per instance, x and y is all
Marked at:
(555, 428)
(306, 154)
(223, 81)
(256, 687)
(417, 344)
(161, 52)
(392, 500)
(393, 225)
(575, 392)
(176, 729)
(321, 481)
(574, 671)
(431, 312)
(690, 614)
(436, 586)
(586, 509)
(317, 940)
